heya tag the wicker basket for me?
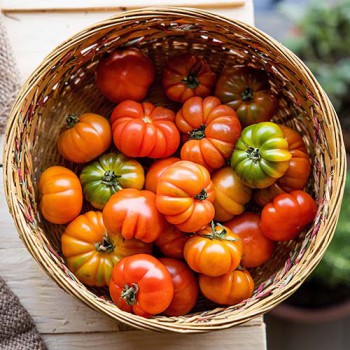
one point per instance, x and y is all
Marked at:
(64, 83)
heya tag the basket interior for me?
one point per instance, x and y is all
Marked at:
(68, 87)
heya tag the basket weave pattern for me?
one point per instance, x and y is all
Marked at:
(64, 84)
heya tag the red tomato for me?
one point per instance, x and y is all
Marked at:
(229, 289)
(186, 75)
(141, 284)
(155, 170)
(133, 214)
(185, 287)
(213, 130)
(143, 130)
(287, 215)
(125, 75)
(257, 249)
(185, 195)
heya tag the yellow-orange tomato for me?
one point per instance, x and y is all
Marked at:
(84, 138)
(229, 289)
(214, 251)
(91, 253)
(61, 195)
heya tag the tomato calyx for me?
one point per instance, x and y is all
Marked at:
(191, 80)
(202, 195)
(71, 120)
(105, 246)
(197, 134)
(218, 235)
(111, 179)
(253, 154)
(129, 293)
(247, 94)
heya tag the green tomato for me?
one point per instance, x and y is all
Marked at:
(109, 174)
(261, 155)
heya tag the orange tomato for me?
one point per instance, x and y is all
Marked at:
(84, 138)
(61, 195)
(229, 289)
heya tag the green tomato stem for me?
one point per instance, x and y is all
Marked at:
(202, 195)
(253, 154)
(197, 134)
(71, 120)
(191, 80)
(111, 179)
(247, 95)
(105, 246)
(129, 293)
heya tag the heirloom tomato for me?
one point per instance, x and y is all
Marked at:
(213, 251)
(257, 249)
(125, 75)
(91, 253)
(109, 174)
(171, 242)
(133, 214)
(231, 195)
(229, 289)
(185, 194)
(143, 130)
(261, 155)
(61, 195)
(247, 91)
(186, 75)
(157, 169)
(296, 176)
(141, 284)
(84, 138)
(213, 130)
(287, 215)
(185, 287)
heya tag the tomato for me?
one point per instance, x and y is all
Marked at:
(133, 214)
(171, 242)
(261, 155)
(287, 215)
(84, 138)
(91, 253)
(231, 195)
(247, 91)
(257, 249)
(143, 130)
(109, 174)
(185, 287)
(157, 169)
(125, 75)
(296, 176)
(61, 195)
(229, 289)
(214, 251)
(186, 75)
(141, 284)
(185, 195)
(213, 130)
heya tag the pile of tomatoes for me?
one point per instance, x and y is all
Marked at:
(161, 232)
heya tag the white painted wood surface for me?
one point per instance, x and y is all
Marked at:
(65, 322)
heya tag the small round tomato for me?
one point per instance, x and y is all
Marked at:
(143, 130)
(185, 194)
(133, 214)
(171, 242)
(84, 138)
(213, 130)
(257, 249)
(231, 195)
(125, 75)
(186, 75)
(108, 175)
(247, 91)
(61, 195)
(229, 289)
(214, 251)
(91, 253)
(185, 287)
(287, 215)
(261, 156)
(141, 284)
(157, 169)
